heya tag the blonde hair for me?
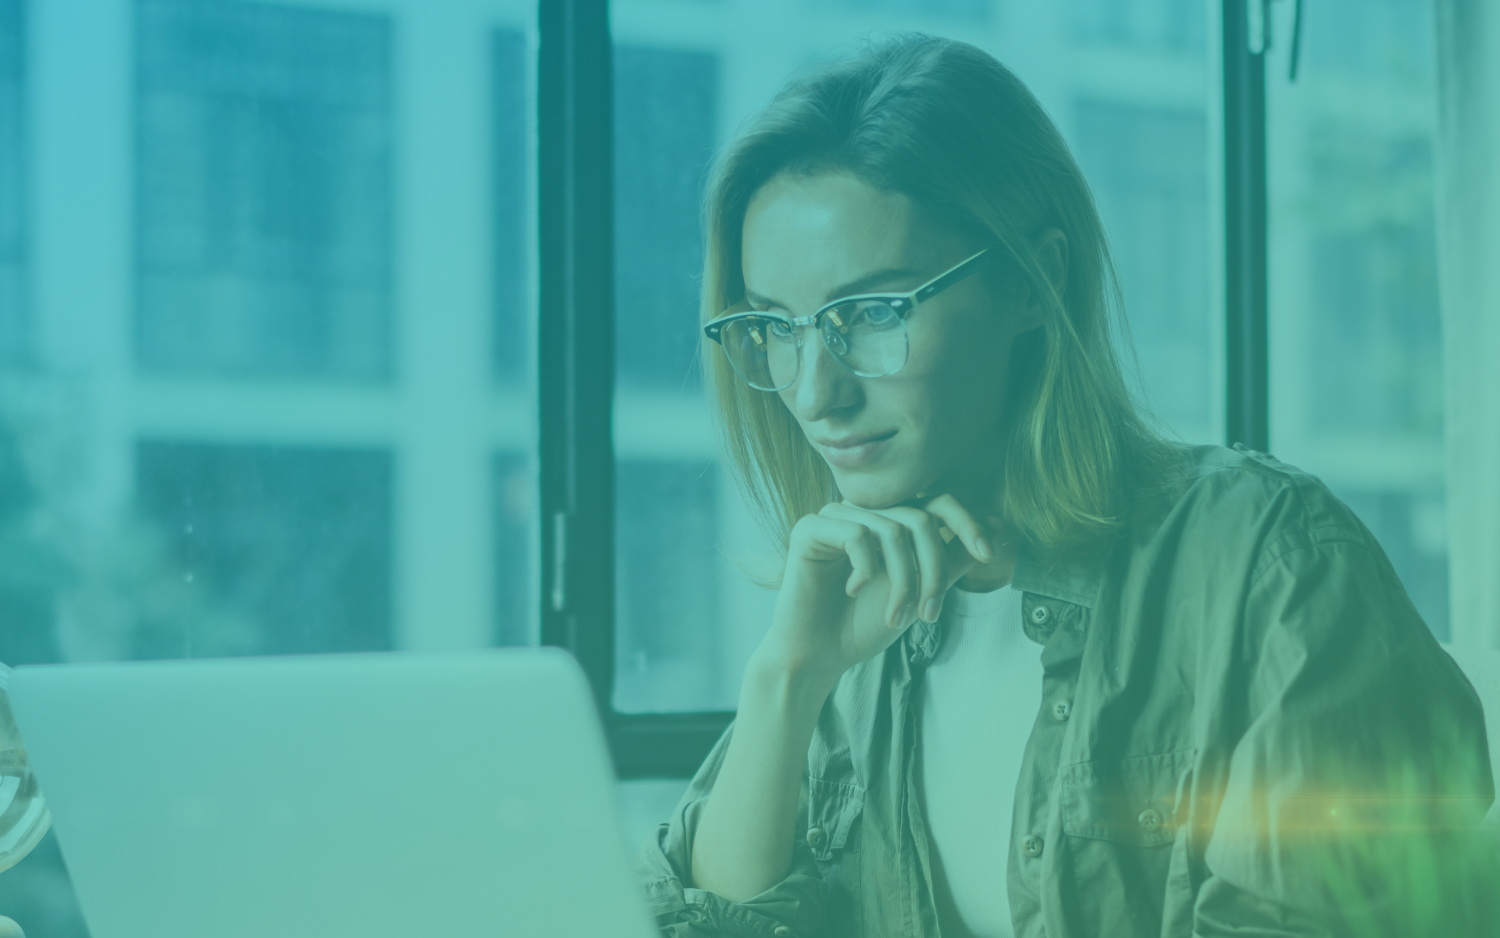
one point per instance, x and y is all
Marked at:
(954, 130)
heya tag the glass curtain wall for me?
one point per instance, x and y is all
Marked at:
(1355, 336)
(1134, 85)
(267, 307)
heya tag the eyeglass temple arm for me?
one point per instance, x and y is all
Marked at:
(944, 281)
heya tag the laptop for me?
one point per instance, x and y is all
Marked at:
(370, 796)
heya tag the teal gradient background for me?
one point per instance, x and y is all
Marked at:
(268, 311)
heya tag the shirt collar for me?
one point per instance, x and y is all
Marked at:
(1073, 581)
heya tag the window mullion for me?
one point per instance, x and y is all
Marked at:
(1247, 393)
(576, 334)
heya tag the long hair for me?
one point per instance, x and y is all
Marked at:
(956, 132)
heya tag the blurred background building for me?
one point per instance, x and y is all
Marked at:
(268, 309)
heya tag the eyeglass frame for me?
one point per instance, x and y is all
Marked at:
(901, 304)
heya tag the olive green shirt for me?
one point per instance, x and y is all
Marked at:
(1245, 729)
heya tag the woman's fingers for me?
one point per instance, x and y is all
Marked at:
(864, 557)
(900, 559)
(932, 525)
(977, 537)
(932, 557)
(827, 538)
(917, 533)
(909, 545)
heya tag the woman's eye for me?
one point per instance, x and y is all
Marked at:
(875, 314)
(778, 329)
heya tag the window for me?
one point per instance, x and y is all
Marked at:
(264, 550)
(13, 328)
(511, 91)
(683, 633)
(512, 496)
(1158, 25)
(677, 609)
(1355, 340)
(512, 336)
(1148, 166)
(263, 190)
(273, 390)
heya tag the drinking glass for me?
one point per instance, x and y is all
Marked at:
(23, 814)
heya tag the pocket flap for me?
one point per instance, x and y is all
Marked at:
(832, 809)
(1129, 801)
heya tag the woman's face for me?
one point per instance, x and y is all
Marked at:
(932, 427)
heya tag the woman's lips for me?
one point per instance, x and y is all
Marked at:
(856, 450)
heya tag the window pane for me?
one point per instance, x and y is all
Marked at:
(276, 393)
(264, 190)
(511, 103)
(513, 484)
(1148, 165)
(13, 332)
(1134, 89)
(1356, 366)
(260, 550)
(668, 574)
(511, 97)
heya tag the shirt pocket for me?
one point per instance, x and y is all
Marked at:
(833, 808)
(1133, 802)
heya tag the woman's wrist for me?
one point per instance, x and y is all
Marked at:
(770, 685)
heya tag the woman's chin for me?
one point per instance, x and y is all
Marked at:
(862, 491)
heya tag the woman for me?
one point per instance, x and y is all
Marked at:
(1239, 724)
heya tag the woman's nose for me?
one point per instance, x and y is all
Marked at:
(824, 385)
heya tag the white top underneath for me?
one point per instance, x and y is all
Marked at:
(978, 702)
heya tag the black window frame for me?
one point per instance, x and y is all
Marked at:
(576, 346)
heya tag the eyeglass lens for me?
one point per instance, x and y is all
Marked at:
(865, 336)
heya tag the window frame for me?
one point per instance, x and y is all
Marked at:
(1246, 277)
(576, 345)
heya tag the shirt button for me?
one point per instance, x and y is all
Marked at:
(1040, 615)
(782, 932)
(1149, 819)
(1061, 710)
(816, 838)
(1032, 846)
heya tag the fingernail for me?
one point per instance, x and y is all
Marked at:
(930, 611)
(983, 546)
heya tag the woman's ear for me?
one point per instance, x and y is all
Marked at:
(1052, 257)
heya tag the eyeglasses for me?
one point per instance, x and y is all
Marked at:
(866, 333)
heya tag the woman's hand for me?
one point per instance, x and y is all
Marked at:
(856, 578)
(9, 929)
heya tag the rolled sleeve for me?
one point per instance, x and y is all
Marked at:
(793, 908)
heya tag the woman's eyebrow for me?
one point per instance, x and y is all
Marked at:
(761, 300)
(869, 282)
(865, 284)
